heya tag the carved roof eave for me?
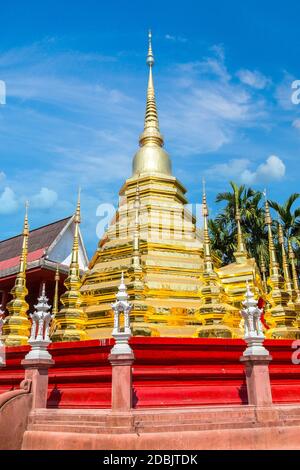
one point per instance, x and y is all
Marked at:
(40, 263)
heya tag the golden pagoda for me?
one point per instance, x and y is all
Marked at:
(136, 276)
(295, 283)
(55, 308)
(16, 327)
(160, 252)
(286, 270)
(218, 318)
(280, 314)
(263, 271)
(235, 276)
(70, 321)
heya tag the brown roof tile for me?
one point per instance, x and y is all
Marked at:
(41, 237)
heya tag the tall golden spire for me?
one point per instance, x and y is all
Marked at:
(16, 328)
(75, 250)
(151, 132)
(70, 321)
(208, 264)
(240, 254)
(214, 312)
(136, 258)
(281, 314)
(137, 285)
(55, 298)
(274, 266)
(151, 157)
(285, 266)
(296, 289)
(263, 272)
(292, 258)
(24, 253)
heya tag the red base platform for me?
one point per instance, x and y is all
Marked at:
(167, 372)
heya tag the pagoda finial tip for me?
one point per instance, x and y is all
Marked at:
(204, 202)
(43, 289)
(265, 194)
(150, 58)
(77, 212)
(26, 226)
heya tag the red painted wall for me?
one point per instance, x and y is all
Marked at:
(166, 372)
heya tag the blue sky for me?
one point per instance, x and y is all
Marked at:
(76, 79)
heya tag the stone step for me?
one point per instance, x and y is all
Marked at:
(67, 423)
(54, 427)
(100, 421)
(144, 420)
(137, 426)
(36, 418)
(289, 413)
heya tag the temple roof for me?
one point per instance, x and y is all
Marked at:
(39, 240)
(48, 245)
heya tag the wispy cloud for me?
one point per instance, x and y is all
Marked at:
(74, 118)
(8, 201)
(254, 79)
(273, 169)
(45, 199)
(173, 38)
(208, 106)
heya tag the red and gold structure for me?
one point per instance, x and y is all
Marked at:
(16, 328)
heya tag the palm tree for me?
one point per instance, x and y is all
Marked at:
(222, 241)
(290, 220)
(252, 221)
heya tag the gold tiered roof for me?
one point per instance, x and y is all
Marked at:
(281, 313)
(235, 276)
(295, 285)
(16, 328)
(217, 317)
(165, 294)
(70, 320)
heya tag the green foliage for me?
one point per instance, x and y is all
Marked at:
(289, 219)
(223, 229)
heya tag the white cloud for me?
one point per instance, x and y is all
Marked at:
(230, 170)
(296, 123)
(170, 37)
(8, 201)
(211, 66)
(254, 79)
(45, 199)
(203, 108)
(284, 93)
(273, 169)
(208, 114)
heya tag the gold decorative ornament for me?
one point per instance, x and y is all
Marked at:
(16, 328)
(70, 321)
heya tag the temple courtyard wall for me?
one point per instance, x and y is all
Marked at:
(186, 394)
